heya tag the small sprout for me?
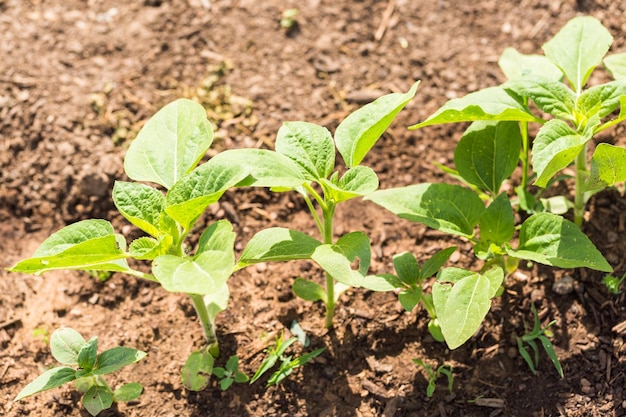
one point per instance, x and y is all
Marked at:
(288, 20)
(530, 339)
(612, 283)
(230, 373)
(434, 374)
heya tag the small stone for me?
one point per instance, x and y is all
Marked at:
(564, 285)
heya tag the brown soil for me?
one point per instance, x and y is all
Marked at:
(79, 77)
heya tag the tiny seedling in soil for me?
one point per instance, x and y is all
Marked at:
(304, 161)
(557, 85)
(434, 374)
(542, 334)
(165, 155)
(83, 365)
(276, 353)
(230, 373)
(612, 283)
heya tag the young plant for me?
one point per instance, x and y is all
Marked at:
(434, 374)
(612, 283)
(276, 353)
(530, 338)
(230, 373)
(82, 364)
(165, 154)
(304, 161)
(578, 113)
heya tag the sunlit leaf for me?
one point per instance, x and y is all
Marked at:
(309, 145)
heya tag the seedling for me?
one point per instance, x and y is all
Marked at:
(230, 373)
(542, 334)
(578, 113)
(165, 154)
(42, 332)
(304, 161)
(276, 353)
(612, 283)
(434, 374)
(82, 364)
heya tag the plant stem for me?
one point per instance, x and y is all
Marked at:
(328, 213)
(581, 176)
(525, 152)
(207, 324)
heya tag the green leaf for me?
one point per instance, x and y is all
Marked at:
(356, 182)
(578, 48)
(65, 344)
(218, 237)
(170, 144)
(310, 146)
(492, 103)
(360, 131)
(549, 95)
(432, 265)
(97, 398)
(409, 298)
(52, 378)
(616, 64)
(449, 208)
(128, 392)
(116, 358)
(197, 370)
(608, 167)
(205, 185)
(309, 290)
(88, 355)
(278, 244)
(515, 64)
(551, 240)
(217, 301)
(380, 282)
(407, 268)
(141, 204)
(555, 147)
(85, 245)
(337, 259)
(601, 100)
(547, 346)
(147, 248)
(202, 274)
(265, 168)
(461, 301)
(488, 153)
(497, 224)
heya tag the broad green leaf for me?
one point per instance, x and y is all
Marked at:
(578, 48)
(407, 268)
(449, 208)
(360, 131)
(202, 274)
(492, 103)
(488, 153)
(380, 283)
(52, 378)
(549, 95)
(116, 358)
(265, 168)
(432, 265)
(495, 275)
(65, 344)
(410, 297)
(601, 100)
(219, 237)
(310, 146)
(197, 370)
(461, 304)
(97, 398)
(515, 64)
(141, 204)
(170, 144)
(558, 204)
(497, 224)
(551, 240)
(616, 64)
(337, 259)
(88, 355)
(309, 290)
(217, 301)
(608, 167)
(85, 245)
(128, 392)
(555, 147)
(278, 244)
(356, 182)
(190, 196)
(148, 248)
